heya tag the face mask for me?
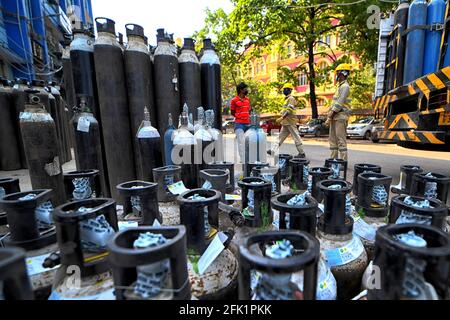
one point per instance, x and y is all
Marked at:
(287, 92)
(246, 92)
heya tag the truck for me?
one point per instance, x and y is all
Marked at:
(415, 113)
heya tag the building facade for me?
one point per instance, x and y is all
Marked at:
(266, 69)
(33, 34)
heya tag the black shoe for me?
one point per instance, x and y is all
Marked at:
(301, 156)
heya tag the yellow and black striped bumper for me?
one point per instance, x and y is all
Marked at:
(423, 137)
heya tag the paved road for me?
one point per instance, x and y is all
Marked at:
(389, 156)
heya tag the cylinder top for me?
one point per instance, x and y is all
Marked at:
(189, 44)
(438, 241)
(135, 30)
(123, 254)
(38, 83)
(83, 30)
(106, 25)
(207, 44)
(161, 35)
(307, 244)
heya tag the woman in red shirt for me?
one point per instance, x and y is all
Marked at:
(240, 109)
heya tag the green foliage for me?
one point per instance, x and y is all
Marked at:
(361, 31)
(254, 26)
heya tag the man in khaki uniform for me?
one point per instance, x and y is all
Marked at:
(289, 122)
(339, 114)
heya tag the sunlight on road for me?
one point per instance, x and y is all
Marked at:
(368, 146)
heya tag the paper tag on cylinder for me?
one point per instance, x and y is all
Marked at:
(345, 254)
(83, 124)
(177, 188)
(214, 250)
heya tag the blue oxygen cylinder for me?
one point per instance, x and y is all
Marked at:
(415, 41)
(436, 14)
(168, 142)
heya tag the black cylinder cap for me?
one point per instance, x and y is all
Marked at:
(207, 44)
(161, 35)
(106, 25)
(21, 81)
(189, 44)
(80, 28)
(31, 91)
(38, 83)
(134, 30)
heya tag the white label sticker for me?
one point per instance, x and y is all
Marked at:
(233, 197)
(156, 223)
(214, 249)
(177, 188)
(363, 229)
(276, 219)
(34, 265)
(104, 296)
(83, 124)
(327, 288)
(346, 254)
(123, 225)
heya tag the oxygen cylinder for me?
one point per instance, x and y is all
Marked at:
(9, 145)
(44, 96)
(56, 116)
(20, 98)
(255, 142)
(191, 126)
(190, 76)
(139, 85)
(217, 155)
(115, 118)
(64, 119)
(83, 67)
(68, 87)
(415, 41)
(400, 19)
(204, 143)
(183, 154)
(168, 142)
(41, 148)
(167, 92)
(433, 39)
(88, 149)
(149, 143)
(211, 82)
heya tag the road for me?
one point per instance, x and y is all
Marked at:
(389, 156)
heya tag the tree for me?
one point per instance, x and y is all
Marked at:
(362, 22)
(255, 25)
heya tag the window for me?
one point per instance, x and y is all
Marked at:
(250, 70)
(273, 75)
(341, 37)
(323, 65)
(328, 40)
(262, 66)
(321, 102)
(273, 56)
(290, 50)
(302, 79)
